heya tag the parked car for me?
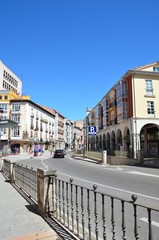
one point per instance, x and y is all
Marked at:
(59, 153)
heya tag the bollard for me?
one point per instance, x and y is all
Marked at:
(104, 157)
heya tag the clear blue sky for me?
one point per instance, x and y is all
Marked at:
(69, 53)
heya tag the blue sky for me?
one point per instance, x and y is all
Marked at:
(69, 53)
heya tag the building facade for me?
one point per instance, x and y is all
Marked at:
(8, 80)
(35, 125)
(127, 117)
(68, 133)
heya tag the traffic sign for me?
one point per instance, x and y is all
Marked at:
(92, 130)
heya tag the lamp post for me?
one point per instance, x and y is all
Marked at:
(84, 142)
(51, 144)
(1, 112)
(85, 145)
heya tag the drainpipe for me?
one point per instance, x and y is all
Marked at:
(135, 121)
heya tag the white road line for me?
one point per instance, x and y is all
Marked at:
(45, 166)
(156, 224)
(113, 188)
(143, 174)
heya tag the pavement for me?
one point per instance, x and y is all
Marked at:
(19, 220)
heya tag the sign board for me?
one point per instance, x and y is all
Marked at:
(92, 130)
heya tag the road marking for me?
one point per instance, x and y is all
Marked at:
(156, 224)
(113, 188)
(144, 174)
(45, 166)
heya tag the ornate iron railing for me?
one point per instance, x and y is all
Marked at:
(90, 214)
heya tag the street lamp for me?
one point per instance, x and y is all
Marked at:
(51, 144)
(1, 112)
(85, 143)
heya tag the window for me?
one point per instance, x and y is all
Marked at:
(4, 107)
(15, 118)
(156, 69)
(0, 97)
(3, 131)
(5, 97)
(16, 106)
(149, 87)
(150, 107)
(15, 132)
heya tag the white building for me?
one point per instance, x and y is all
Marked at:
(35, 124)
(68, 132)
(8, 80)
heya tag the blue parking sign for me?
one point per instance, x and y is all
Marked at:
(92, 130)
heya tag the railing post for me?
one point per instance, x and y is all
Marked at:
(12, 172)
(44, 190)
(1, 164)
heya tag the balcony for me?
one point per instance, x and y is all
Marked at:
(44, 120)
(32, 115)
(31, 126)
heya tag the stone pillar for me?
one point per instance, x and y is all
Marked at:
(44, 190)
(1, 164)
(104, 157)
(12, 172)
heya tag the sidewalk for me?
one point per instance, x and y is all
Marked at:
(18, 219)
(27, 155)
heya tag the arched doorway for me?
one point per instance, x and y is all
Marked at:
(104, 142)
(108, 144)
(127, 143)
(119, 140)
(100, 143)
(113, 143)
(149, 140)
(97, 142)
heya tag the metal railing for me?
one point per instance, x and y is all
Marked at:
(87, 213)
(90, 214)
(27, 179)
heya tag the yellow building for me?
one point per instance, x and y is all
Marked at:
(127, 117)
(5, 121)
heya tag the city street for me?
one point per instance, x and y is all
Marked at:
(117, 181)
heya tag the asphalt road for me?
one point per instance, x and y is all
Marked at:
(118, 181)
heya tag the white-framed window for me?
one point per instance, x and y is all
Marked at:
(15, 131)
(150, 107)
(149, 87)
(4, 107)
(3, 131)
(16, 106)
(15, 118)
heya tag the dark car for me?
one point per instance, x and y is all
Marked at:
(59, 153)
